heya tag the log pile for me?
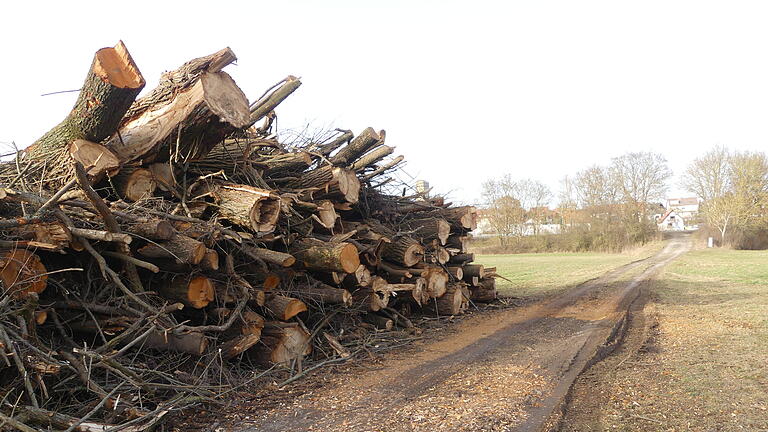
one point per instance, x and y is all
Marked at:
(151, 246)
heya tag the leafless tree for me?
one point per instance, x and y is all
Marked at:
(708, 176)
(641, 178)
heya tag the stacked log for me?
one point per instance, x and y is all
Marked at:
(177, 223)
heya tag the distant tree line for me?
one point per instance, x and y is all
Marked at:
(600, 208)
(733, 187)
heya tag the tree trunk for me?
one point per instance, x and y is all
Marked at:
(254, 208)
(476, 270)
(191, 343)
(324, 294)
(282, 343)
(405, 251)
(486, 292)
(112, 84)
(134, 184)
(429, 229)
(281, 259)
(451, 302)
(183, 249)
(153, 229)
(266, 104)
(456, 272)
(284, 308)
(192, 109)
(326, 256)
(344, 185)
(360, 145)
(238, 345)
(371, 158)
(461, 259)
(195, 292)
(380, 322)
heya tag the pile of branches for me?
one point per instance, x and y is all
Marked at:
(154, 252)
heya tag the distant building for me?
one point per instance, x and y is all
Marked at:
(680, 214)
(422, 186)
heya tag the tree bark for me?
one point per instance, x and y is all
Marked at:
(269, 102)
(134, 184)
(195, 292)
(282, 343)
(284, 308)
(192, 109)
(254, 208)
(360, 145)
(429, 229)
(281, 259)
(183, 249)
(112, 84)
(326, 256)
(404, 251)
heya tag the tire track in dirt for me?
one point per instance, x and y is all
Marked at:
(511, 372)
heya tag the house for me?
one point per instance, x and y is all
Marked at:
(681, 214)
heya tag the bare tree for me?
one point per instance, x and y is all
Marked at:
(708, 176)
(641, 178)
(742, 202)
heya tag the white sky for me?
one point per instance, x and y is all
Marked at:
(466, 90)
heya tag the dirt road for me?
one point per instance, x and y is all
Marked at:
(510, 371)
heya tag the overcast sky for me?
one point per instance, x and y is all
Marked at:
(465, 90)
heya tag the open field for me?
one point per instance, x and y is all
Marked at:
(703, 361)
(539, 274)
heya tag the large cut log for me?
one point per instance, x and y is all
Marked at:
(344, 185)
(134, 184)
(152, 229)
(461, 259)
(238, 345)
(458, 242)
(437, 281)
(282, 343)
(284, 308)
(461, 217)
(285, 163)
(486, 292)
(474, 270)
(437, 255)
(429, 229)
(192, 109)
(194, 343)
(326, 256)
(451, 302)
(405, 251)
(21, 273)
(328, 147)
(323, 294)
(371, 158)
(456, 272)
(361, 144)
(193, 291)
(257, 209)
(380, 322)
(183, 249)
(360, 278)
(112, 84)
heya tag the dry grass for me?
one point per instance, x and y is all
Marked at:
(705, 366)
(547, 273)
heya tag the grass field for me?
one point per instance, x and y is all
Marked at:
(705, 367)
(546, 273)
